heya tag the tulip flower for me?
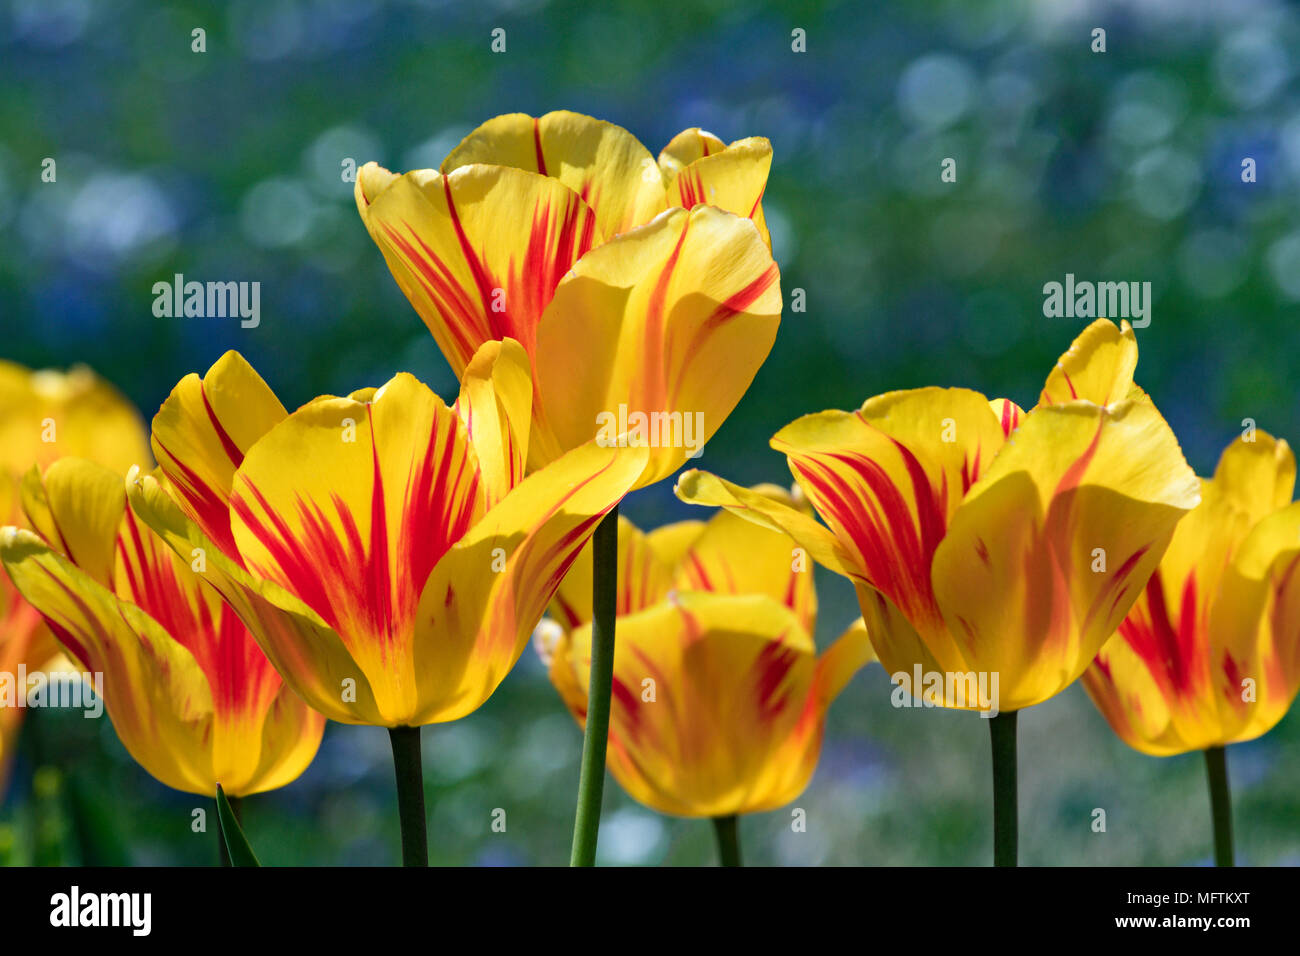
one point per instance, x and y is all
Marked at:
(985, 543)
(1209, 655)
(719, 697)
(44, 415)
(636, 288)
(190, 695)
(644, 294)
(384, 549)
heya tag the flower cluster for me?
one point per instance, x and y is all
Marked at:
(383, 558)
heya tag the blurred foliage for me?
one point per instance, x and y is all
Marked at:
(225, 165)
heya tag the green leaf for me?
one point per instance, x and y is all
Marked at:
(241, 854)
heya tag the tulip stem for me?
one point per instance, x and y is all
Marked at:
(237, 808)
(591, 780)
(1216, 766)
(728, 840)
(1002, 730)
(410, 794)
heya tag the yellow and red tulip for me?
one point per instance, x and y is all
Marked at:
(1209, 655)
(981, 538)
(44, 415)
(635, 287)
(720, 698)
(191, 696)
(384, 549)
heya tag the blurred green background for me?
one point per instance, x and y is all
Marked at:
(1123, 165)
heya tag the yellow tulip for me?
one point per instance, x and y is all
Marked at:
(384, 549)
(719, 698)
(982, 539)
(1209, 655)
(44, 415)
(643, 293)
(190, 695)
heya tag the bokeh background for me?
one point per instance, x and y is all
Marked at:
(1123, 165)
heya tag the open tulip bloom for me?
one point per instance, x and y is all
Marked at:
(1209, 655)
(385, 550)
(719, 697)
(44, 415)
(989, 547)
(643, 292)
(191, 696)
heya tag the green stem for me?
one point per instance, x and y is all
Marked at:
(591, 781)
(410, 794)
(237, 808)
(1002, 730)
(728, 840)
(1216, 767)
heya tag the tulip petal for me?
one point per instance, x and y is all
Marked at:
(701, 488)
(675, 318)
(479, 251)
(308, 655)
(645, 575)
(486, 595)
(714, 710)
(45, 415)
(736, 556)
(495, 405)
(1128, 694)
(1055, 542)
(1008, 414)
(604, 164)
(685, 148)
(1098, 367)
(1253, 628)
(733, 179)
(202, 432)
(77, 507)
(849, 654)
(1257, 475)
(889, 477)
(349, 506)
(155, 691)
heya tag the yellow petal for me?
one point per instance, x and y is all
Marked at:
(1008, 414)
(349, 506)
(701, 488)
(1052, 547)
(479, 251)
(46, 415)
(486, 595)
(736, 556)
(307, 654)
(1127, 691)
(154, 690)
(85, 506)
(685, 148)
(202, 432)
(1098, 366)
(495, 405)
(733, 179)
(1257, 474)
(77, 507)
(849, 654)
(645, 572)
(604, 164)
(1171, 680)
(674, 319)
(887, 480)
(719, 703)
(1255, 656)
